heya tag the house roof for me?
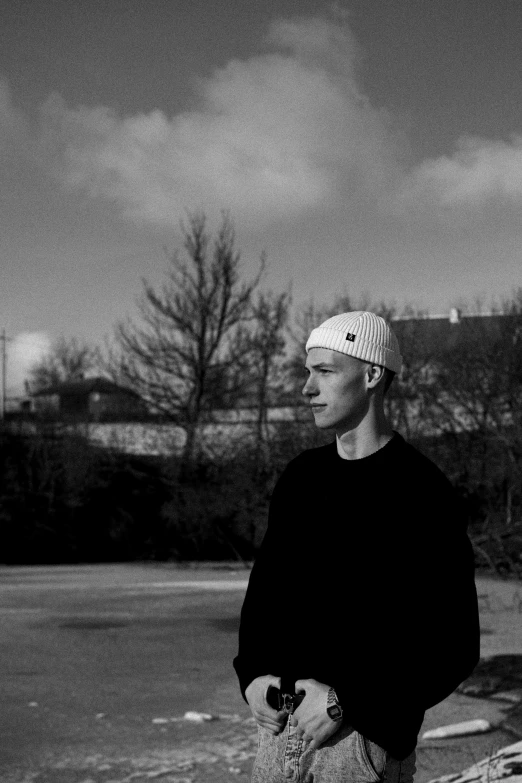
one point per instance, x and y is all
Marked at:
(84, 386)
(442, 333)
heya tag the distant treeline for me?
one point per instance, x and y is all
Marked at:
(207, 340)
(63, 500)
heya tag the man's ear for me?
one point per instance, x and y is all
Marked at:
(373, 375)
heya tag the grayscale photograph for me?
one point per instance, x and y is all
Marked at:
(261, 391)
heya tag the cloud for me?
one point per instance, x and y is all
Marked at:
(272, 137)
(24, 351)
(479, 172)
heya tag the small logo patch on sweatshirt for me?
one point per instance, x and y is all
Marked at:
(350, 337)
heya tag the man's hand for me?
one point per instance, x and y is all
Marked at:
(312, 721)
(264, 714)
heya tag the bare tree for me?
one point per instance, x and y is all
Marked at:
(479, 383)
(461, 393)
(266, 352)
(184, 357)
(475, 378)
(67, 360)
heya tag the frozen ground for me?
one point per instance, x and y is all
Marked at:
(98, 664)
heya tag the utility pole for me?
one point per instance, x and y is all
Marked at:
(4, 340)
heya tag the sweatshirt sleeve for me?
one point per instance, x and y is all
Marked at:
(262, 623)
(423, 638)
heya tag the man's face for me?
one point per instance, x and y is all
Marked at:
(336, 389)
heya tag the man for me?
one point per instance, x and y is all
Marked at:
(361, 610)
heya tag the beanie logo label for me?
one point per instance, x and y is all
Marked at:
(350, 337)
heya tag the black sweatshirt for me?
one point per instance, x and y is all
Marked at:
(364, 582)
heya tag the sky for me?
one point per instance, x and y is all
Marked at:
(368, 147)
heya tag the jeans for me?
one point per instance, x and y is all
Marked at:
(347, 757)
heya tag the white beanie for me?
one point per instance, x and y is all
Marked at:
(360, 334)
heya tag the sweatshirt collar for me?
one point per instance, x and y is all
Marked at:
(394, 438)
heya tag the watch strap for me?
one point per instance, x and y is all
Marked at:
(332, 698)
(333, 708)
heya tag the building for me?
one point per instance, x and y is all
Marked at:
(88, 400)
(461, 372)
(437, 334)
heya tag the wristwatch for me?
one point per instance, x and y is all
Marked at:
(333, 708)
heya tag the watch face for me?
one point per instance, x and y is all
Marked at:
(335, 712)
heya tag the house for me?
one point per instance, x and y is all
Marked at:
(88, 400)
(436, 334)
(459, 373)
